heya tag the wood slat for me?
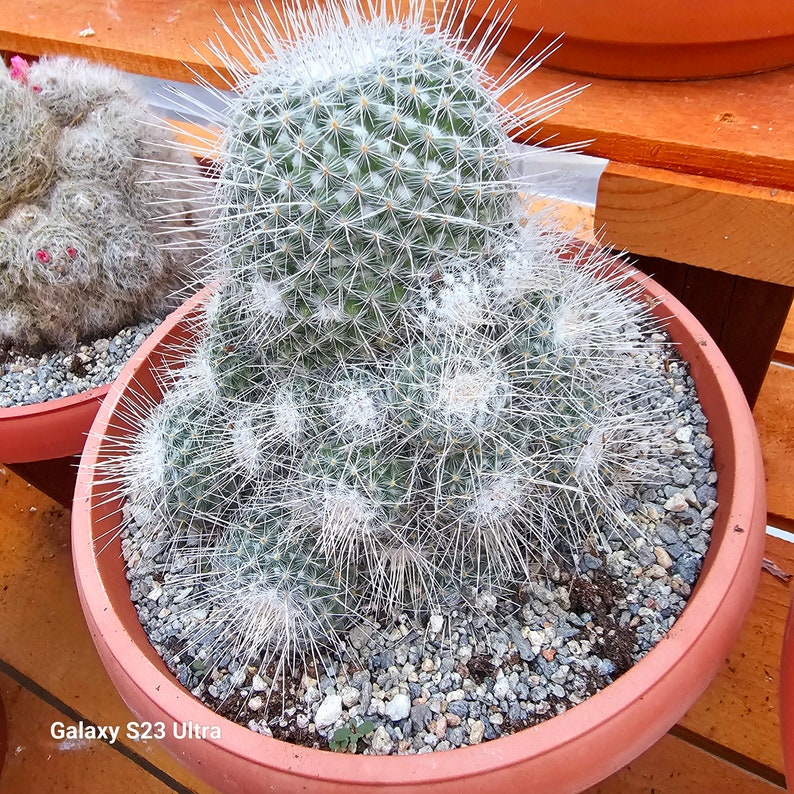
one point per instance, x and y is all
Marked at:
(774, 416)
(740, 229)
(739, 710)
(673, 766)
(785, 346)
(43, 631)
(733, 128)
(154, 38)
(38, 763)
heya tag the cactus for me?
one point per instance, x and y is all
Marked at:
(408, 391)
(98, 206)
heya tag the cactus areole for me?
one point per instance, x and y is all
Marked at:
(404, 393)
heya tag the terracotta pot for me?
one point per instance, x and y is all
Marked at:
(564, 754)
(654, 39)
(52, 429)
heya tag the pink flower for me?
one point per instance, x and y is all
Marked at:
(43, 256)
(71, 252)
(19, 69)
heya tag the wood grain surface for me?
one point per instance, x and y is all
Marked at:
(733, 128)
(712, 223)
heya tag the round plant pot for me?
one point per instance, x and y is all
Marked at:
(654, 40)
(564, 754)
(52, 429)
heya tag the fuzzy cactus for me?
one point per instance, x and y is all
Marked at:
(98, 206)
(407, 391)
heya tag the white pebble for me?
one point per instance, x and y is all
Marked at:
(350, 696)
(329, 711)
(662, 557)
(501, 687)
(476, 732)
(676, 503)
(381, 743)
(398, 708)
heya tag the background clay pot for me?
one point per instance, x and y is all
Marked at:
(52, 429)
(42, 442)
(564, 754)
(655, 39)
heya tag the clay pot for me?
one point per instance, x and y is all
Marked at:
(52, 429)
(654, 39)
(565, 754)
(42, 442)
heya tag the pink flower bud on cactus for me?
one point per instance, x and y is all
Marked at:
(43, 256)
(71, 252)
(19, 69)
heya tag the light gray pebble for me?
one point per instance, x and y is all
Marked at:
(398, 708)
(26, 380)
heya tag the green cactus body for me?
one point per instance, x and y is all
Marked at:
(344, 180)
(273, 590)
(429, 394)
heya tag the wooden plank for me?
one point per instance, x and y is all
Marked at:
(733, 128)
(711, 223)
(39, 762)
(774, 416)
(785, 345)
(673, 766)
(155, 38)
(739, 710)
(44, 633)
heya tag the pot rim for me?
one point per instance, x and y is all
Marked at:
(50, 429)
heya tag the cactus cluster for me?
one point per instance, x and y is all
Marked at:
(98, 206)
(407, 390)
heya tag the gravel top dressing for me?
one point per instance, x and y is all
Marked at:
(504, 661)
(27, 380)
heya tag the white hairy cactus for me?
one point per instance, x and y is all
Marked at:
(98, 206)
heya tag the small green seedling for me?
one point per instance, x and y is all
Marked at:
(347, 737)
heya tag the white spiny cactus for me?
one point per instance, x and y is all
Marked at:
(407, 391)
